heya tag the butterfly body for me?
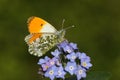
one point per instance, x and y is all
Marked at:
(43, 36)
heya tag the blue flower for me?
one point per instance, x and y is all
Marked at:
(78, 54)
(83, 56)
(70, 67)
(58, 63)
(68, 49)
(73, 45)
(45, 66)
(65, 47)
(52, 61)
(42, 61)
(61, 72)
(56, 53)
(47, 62)
(86, 63)
(72, 56)
(51, 72)
(53, 67)
(80, 72)
(85, 60)
(62, 44)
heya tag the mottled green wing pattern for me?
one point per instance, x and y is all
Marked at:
(43, 44)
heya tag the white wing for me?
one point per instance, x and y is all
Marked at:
(48, 28)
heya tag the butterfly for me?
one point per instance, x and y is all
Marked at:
(43, 36)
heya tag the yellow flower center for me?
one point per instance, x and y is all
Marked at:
(52, 63)
(46, 67)
(73, 57)
(80, 71)
(51, 72)
(71, 67)
(68, 50)
(84, 64)
(59, 73)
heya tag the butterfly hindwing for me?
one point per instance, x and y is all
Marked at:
(43, 44)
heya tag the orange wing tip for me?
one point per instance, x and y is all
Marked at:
(34, 17)
(30, 19)
(35, 24)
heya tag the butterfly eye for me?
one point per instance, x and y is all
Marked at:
(41, 24)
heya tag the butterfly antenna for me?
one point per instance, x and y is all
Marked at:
(63, 23)
(69, 27)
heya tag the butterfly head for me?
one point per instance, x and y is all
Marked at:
(61, 33)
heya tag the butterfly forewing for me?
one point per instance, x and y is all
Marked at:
(38, 25)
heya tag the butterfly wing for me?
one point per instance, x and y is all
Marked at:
(38, 25)
(43, 36)
(43, 44)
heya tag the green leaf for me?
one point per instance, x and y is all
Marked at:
(98, 75)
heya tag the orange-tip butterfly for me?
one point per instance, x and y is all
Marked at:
(43, 36)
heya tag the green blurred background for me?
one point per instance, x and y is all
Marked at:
(97, 32)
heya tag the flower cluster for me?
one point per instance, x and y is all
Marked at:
(65, 59)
